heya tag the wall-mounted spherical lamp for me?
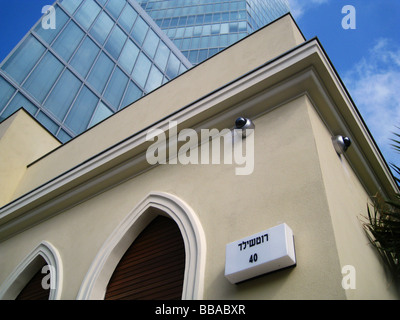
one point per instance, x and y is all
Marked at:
(341, 143)
(245, 125)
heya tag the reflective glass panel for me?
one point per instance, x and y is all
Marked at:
(102, 27)
(127, 18)
(116, 88)
(242, 26)
(133, 93)
(173, 67)
(203, 54)
(69, 39)
(141, 70)
(115, 7)
(233, 27)
(84, 57)
(101, 72)
(139, 30)
(223, 40)
(162, 55)
(43, 77)
(102, 112)
(213, 41)
(233, 38)
(225, 28)
(151, 43)
(116, 42)
(62, 95)
(23, 59)
(154, 80)
(128, 56)
(71, 5)
(174, 22)
(204, 42)
(195, 43)
(82, 110)
(193, 56)
(197, 30)
(185, 44)
(87, 13)
(215, 28)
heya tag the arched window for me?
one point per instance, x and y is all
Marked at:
(29, 274)
(153, 267)
(154, 205)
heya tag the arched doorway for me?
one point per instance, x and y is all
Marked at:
(153, 266)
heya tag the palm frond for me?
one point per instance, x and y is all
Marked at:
(383, 232)
(383, 226)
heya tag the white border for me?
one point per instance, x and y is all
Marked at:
(96, 280)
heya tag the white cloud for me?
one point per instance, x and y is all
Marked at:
(298, 7)
(374, 84)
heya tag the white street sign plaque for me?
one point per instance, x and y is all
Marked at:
(262, 253)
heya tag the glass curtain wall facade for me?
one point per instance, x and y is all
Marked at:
(201, 28)
(101, 56)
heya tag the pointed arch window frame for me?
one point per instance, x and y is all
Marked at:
(23, 273)
(96, 280)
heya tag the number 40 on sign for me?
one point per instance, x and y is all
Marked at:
(259, 254)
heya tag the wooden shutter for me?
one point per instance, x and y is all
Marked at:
(34, 289)
(153, 266)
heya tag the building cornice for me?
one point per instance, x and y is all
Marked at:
(305, 70)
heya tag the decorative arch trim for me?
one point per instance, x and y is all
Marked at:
(23, 273)
(96, 280)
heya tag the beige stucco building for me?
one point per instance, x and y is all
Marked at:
(82, 204)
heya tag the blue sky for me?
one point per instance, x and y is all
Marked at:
(366, 58)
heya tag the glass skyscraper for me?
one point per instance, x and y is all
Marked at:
(101, 56)
(201, 28)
